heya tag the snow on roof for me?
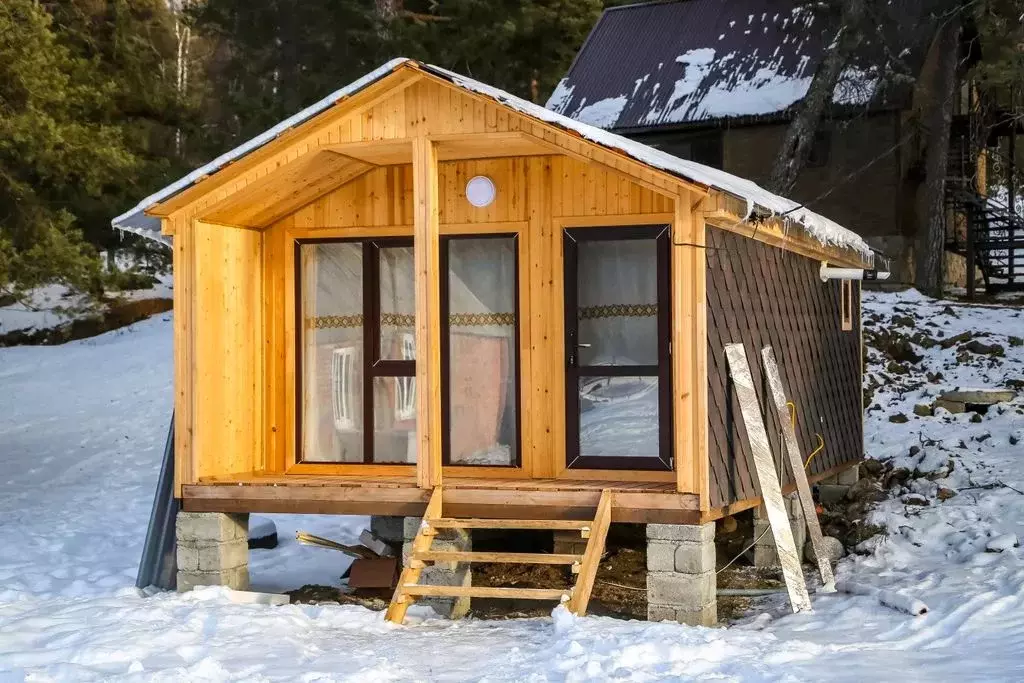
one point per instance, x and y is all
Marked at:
(758, 199)
(702, 61)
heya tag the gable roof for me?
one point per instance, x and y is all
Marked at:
(758, 200)
(699, 61)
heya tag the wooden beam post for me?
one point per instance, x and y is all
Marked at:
(426, 231)
(689, 350)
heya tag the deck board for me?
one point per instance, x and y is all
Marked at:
(470, 496)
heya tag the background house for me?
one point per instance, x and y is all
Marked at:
(717, 82)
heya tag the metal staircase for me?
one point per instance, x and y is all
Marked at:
(985, 229)
(994, 239)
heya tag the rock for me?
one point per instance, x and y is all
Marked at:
(872, 467)
(866, 490)
(984, 397)
(914, 450)
(923, 410)
(831, 546)
(1015, 341)
(982, 349)
(262, 532)
(953, 341)
(945, 494)
(975, 417)
(898, 418)
(1002, 543)
(896, 477)
(915, 499)
(951, 406)
(830, 494)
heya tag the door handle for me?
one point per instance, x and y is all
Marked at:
(584, 346)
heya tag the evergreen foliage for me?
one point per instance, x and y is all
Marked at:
(104, 101)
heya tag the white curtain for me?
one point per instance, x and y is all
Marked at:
(482, 373)
(332, 352)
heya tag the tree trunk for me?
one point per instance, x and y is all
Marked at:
(796, 146)
(930, 246)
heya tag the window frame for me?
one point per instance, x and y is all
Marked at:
(373, 365)
(443, 266)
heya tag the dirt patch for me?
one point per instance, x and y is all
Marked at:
(312, 594)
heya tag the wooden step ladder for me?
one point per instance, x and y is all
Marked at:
(584, 566)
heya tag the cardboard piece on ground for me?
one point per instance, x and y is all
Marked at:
(796, 464)
(255, 598)
(376, 573)
(767, 476)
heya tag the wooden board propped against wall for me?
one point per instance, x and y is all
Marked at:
(767, 476)
(796, 464)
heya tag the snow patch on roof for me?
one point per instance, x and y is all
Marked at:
(602, 114)
(560, 97)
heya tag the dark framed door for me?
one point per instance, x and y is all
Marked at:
(617, 345)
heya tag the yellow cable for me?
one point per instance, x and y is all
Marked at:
(819, 449)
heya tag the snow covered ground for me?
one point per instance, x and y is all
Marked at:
(81, 434)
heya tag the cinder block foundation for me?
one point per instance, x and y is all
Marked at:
(212, 550)
(442, 573)
(681, 583)
(765, 554)
(569, 542)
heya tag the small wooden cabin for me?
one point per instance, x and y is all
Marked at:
(422, 281)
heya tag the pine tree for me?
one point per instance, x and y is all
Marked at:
(54, 149)
(128, 48)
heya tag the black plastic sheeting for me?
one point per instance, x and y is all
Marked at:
(159, 564)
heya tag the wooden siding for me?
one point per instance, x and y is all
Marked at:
(227, 363)
(235, 316)
(536, 196)
(761, 295)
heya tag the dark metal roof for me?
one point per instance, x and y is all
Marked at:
(677, 63)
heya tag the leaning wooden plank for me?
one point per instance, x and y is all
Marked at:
(487, 592)
(411, 574)
(592, 557)
(553, 524)
(508, 558)
(796, 464)
(767, 476)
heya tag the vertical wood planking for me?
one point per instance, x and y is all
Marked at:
(545, 412)
(689, 350)
(426, 231)
(184, 278)
(228, 357)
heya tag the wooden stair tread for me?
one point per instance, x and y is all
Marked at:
(547, 524)
(509, 558)
(487, 592)
(584, 566)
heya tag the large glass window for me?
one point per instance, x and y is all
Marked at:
(358, 352)
(331, 301)
(480, 338)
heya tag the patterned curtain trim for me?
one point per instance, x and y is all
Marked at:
(481, 319)
(619, 311)
(325, 322)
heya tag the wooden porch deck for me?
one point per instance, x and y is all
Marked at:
(633, 501)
